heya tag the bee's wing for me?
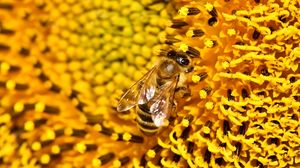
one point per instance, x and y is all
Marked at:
(162, 104)
(139, 92)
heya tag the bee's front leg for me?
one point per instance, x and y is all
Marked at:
(183, 91)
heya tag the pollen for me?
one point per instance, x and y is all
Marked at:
(196, 78)
(45, 159)
(151, 153)
(209, 43)
(126, 136)
(231, 32)
(29, 126)
(209, 105)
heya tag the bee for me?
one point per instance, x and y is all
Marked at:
(153, 94)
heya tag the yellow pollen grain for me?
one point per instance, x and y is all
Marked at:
(19, 107)
(116, 163)
(209, 7)
(151, 153)
(184, 47)
(96, 162)
(29, 126)
(5, 118)
(80, 147)
(190, 33)
(231, 32)
(97, 127)
(10, 85)
(68, 131)
(202, 94)
(183, 11)
(209, 105)
(115, 136)
(225, 64)
(36, 146)
(196, 78)
(45, 159)
(206, 130)
(209, 43)
(185, 123)
(126, 136)
(55, 149)
(50, 134)
(4, 67)
(39, 107)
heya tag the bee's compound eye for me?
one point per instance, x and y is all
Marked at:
(171, 54)
(184, 61)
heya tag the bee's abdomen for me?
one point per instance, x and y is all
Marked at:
(145, 121)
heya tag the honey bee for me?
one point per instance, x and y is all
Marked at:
(153, 94)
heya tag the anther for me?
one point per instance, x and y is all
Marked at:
(24, 52)
(198, 33)
(176, 158)
(39, 122)
(192, 52)
(6, 6)
(6, 31)
(242, 129)
(55, 88)
(66, 146)
(207, 156)
(244, 93)
(190, 148)
(185, 133)
(171, 40)
(193, 11)
(91, 147)
(43, 77)
(51, 109)
(124, 160)
(265, 72)
(136, 139)
(21, 87)
(79, 133)
(106, 131)
(212, 21)
(143, 161)
(226, 127)
(178, 24)
(106, 158)
(4, 47)
(255, 35)
(229, 96)
(238, 146)
(219, 161)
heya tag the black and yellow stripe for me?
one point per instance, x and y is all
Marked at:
(145, 121)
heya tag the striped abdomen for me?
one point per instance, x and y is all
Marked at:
(144, 120)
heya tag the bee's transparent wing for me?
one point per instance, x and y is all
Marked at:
(139, 92)
(161, 105)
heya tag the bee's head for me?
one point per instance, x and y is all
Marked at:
(180, 58)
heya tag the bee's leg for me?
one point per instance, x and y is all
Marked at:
(183, 91)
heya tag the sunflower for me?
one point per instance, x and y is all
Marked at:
(64, 65)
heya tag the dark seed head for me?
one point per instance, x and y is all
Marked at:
(212, 21)
(207, 156)
(197, 33)
(265, 72)
(255, 35)
(178, 24)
